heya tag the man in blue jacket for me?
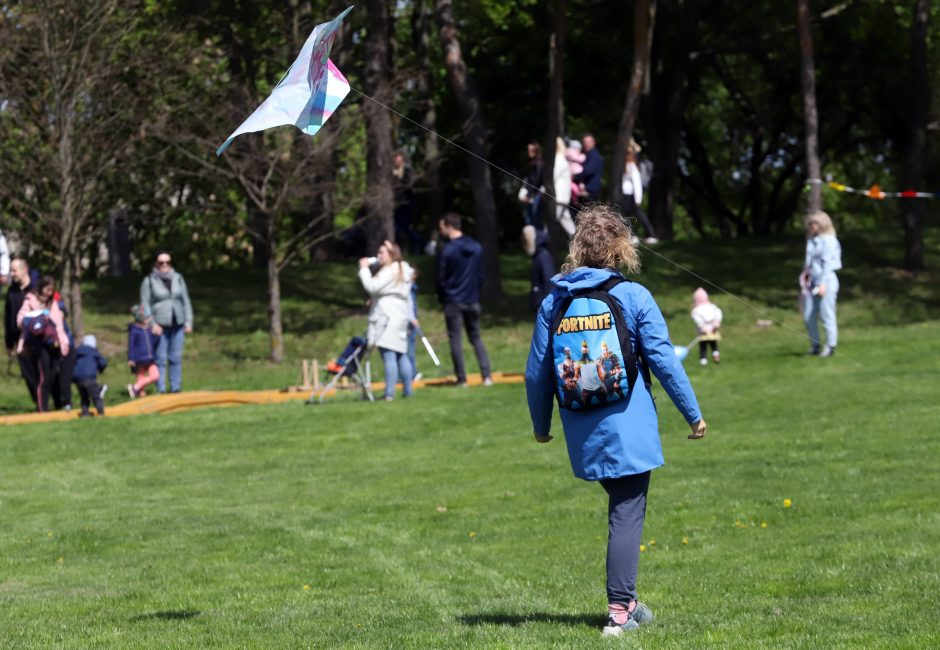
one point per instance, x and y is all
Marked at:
(459, 278)
(593, 169)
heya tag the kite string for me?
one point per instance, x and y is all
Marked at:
(646, 248)
(454, 144)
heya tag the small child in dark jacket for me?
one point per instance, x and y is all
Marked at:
(88, 363)
(141, 345)
(535, 244)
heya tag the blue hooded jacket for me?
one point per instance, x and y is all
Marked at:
(619, 439)
(141, 344)
(88, 363)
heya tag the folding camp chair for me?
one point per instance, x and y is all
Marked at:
(352, 363)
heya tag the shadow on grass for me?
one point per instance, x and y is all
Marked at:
(515, 620)
(169, 615)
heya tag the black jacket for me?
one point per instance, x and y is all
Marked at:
(14, 300)
(460, 271)
(543, 268)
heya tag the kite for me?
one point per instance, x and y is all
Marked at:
(307, 94)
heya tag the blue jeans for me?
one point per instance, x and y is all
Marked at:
(823, 307)
(397, 365)
(170, 352)
(412, 356)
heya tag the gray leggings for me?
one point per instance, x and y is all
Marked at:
(626, 511)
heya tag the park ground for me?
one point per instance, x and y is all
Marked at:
(809, 516)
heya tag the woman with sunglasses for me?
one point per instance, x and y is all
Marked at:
(164, 291)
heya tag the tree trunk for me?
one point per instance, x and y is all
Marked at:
(275, 324)
(421, 33)
(556, 120)
(644, 19)
(669, 93)
(475, 132)
(808, 81)
(913, 209)
(380, 198)
(74, 291)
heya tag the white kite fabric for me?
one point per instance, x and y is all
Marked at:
(308, 94)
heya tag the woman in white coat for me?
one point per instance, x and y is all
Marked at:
(389, 292)
(561, 175)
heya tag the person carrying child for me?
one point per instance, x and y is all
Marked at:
(617, 443)
(707, 317)
(141, 350)
(88, 363)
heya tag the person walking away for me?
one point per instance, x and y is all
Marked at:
(459, 278)
(593, 170)
(141, 351)
(823, 259)
(390, 313)
(166, 295)
(88, 364)
(62, 396)
(43, 341)
(535, 244)
(22, 279)
(707, 317)
(632, 189)
(530, 195)
(616, 443)
(561, 175)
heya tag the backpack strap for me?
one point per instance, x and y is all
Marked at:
(603, 294)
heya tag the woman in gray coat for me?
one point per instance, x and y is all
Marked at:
(165, 292)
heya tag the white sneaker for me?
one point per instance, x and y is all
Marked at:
(487, 381)
(703, 362)
(827, 351)
(418, 377)
(650, 240)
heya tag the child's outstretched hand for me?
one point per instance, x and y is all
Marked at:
(698, 430)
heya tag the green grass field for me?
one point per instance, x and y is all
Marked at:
(439, 522)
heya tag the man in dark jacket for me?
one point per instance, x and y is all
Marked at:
(459, 277)
(535, 244)
(593, 169)
(21, 281)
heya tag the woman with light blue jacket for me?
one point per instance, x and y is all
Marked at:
(823, 259)
(614, 443)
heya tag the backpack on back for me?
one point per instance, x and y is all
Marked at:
(590, 350)
(39, 328)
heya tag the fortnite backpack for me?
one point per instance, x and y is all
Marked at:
(39, 328)
(590, 349)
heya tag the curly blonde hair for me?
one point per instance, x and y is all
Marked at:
(602, 240)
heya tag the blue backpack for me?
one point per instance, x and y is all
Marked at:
(39, 328)
(591, 351)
